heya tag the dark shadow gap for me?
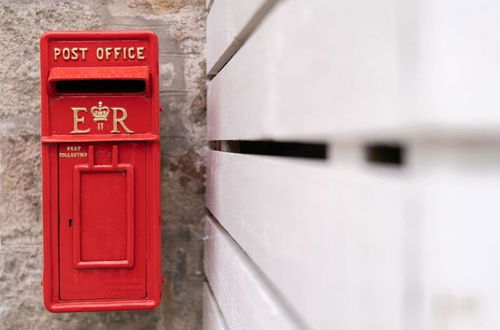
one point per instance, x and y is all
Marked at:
(99, 86)
(385, 154)
(273, 148)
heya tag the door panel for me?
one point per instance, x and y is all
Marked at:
(102, 220)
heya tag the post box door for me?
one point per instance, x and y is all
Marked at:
(102, 227)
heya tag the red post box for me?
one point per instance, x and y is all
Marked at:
(101, 170)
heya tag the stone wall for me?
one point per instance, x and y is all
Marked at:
(180, 25)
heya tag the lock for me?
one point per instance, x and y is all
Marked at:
(100, 170)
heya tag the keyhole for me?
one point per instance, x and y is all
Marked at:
(70, 221)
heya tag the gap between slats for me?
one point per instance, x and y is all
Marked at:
(377, 153)
(242, 37)
(278, 309)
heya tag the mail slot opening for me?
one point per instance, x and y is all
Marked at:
(100, 86)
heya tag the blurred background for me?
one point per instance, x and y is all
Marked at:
(326, 164)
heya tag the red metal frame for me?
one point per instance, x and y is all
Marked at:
(104, 73)
(54, 133)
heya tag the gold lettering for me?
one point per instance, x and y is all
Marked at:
(66, 54)
(120, 120)
(131, 53)
(117, 52)
(77, 120)
(72, 154)
(99, 53)
(108, 52)
(83, 51)
(140, 55)
(74, 53)
(57, 52)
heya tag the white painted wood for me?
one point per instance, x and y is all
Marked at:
(245, 300)
(311, 68)
(229, 24)
(367, 69)
(209, 4)
(457, 199)
(212, 317)
(330, 237)
(459, 65)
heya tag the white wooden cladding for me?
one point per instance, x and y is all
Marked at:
(355, 247)
(329, 238)
(456, 189)
(245, 299)
(212, 317)
(208, 4)
(322, 69)
(345, 245)
(228, 25)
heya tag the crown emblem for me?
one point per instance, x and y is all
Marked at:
(99, 112)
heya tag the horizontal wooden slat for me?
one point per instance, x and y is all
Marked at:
(457, 66)
(329, 237)
(212, 318)
(229, 24)
(457, 189)
(245, 300)
(208, 4)
(372, 69)
(311, 68)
